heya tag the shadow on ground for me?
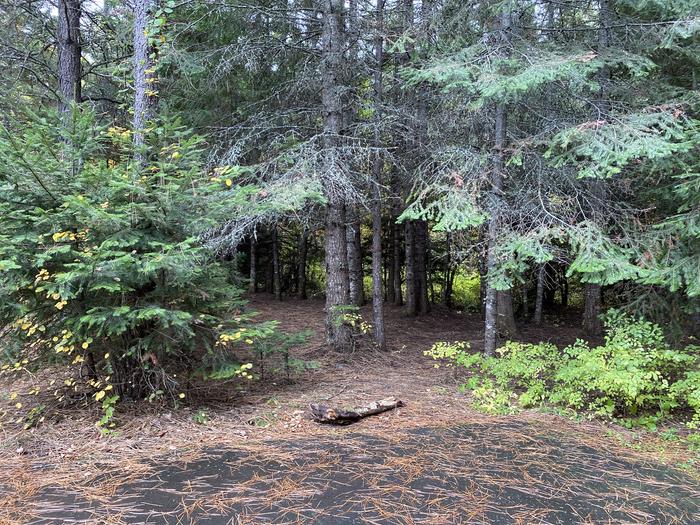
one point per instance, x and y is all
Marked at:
(481, 473)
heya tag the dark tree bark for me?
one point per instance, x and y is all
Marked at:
(143, 75)
(491, 302)
(389, 264)
(396, 246)
(411, 289)
(506, 317)
(301, 268)
(356, 278)
(446, 297)
(276, 277)
(337, 293)
(498, 306)
(377, 298)
(269, 277)
(539, 297)
(421, 240)
(253, 274)
(69, 53)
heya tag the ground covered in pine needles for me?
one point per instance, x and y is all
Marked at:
(258, 458)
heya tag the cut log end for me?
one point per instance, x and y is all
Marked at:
(339, 416)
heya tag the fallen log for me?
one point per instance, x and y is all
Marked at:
(339, 416)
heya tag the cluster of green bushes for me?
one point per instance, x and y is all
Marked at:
(102, 264)
(634, 376)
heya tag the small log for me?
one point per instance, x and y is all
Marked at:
(339, 416)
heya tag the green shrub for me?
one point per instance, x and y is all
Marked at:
(100, 263)
(634, 376)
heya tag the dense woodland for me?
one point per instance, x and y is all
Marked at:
(535, 161)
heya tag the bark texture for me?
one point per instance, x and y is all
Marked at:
(339, 416)
(411, 295)
(377, 296)
(356, 277)
(69, 53)
(253, 272)
(301, 268)
(143, 74)
(337, 293)
(276, 272)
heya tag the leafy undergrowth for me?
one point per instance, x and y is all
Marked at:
(634, 378)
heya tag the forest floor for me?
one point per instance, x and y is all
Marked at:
(252, 455)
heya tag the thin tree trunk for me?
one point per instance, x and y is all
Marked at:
(396, 242)
(301, 269)
(143, 76)
(411, 295)
(446, 297)
(491, 304)
(389, 263)
(421, 266)
(539, 298)
(69, 53)
(276, 277)
(356, 278)
(377, 298)
(253, 277)
(336, 264)
(496, 316)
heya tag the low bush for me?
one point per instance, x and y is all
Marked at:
(634, 377)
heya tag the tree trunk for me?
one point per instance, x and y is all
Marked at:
(389, 263)
(301, 268)
(396, 242)
(506, 318)
(143, 76)
(253, 277)
(421, 266)
(69, 53)
(411, 295)
(496, 316)
(491, 321)
(446, 297)
(276, 277)
(356, 278)
(539, 298)
(269, 277)
(592, 324)
(377, 298)
(337, 293)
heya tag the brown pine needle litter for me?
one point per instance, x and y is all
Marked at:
(434, 461)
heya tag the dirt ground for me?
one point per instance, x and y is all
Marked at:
(262, 422)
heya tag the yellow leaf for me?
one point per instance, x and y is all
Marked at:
(100, 395)
(229, 183)
(85, 345)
